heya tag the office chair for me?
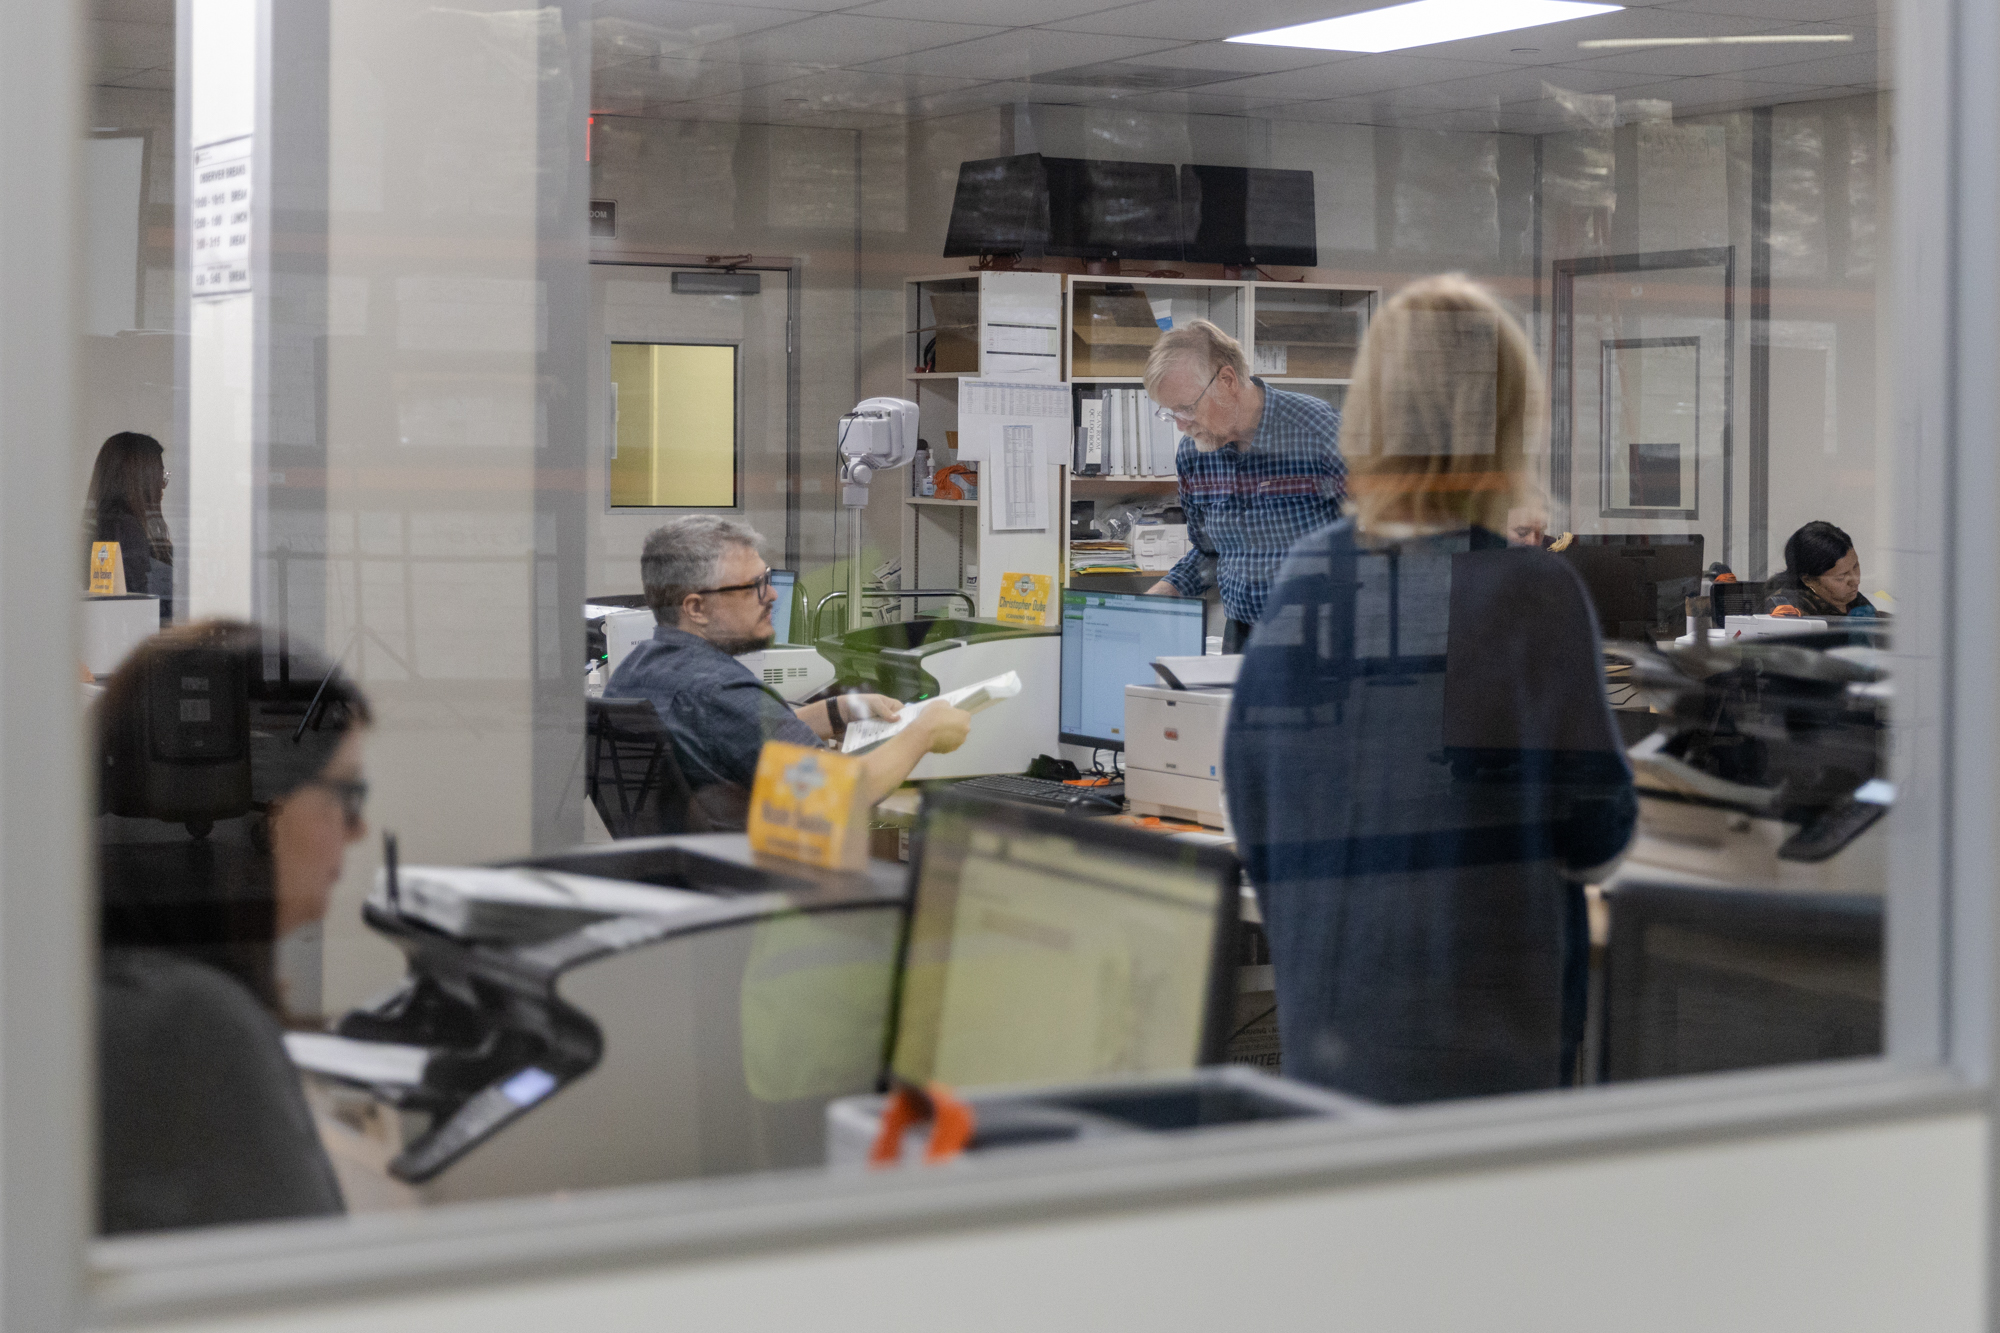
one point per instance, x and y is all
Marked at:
(1737, 599)
(636, 783)
(1700, 980)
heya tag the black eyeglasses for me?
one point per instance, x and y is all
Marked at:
(352, 793)
(761, 585)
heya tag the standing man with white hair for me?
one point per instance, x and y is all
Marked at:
(711, 593)
(1259, 468)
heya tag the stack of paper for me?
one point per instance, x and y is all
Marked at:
(376, 1063)
(1119, 435)
(1101, 557)
(473, 902)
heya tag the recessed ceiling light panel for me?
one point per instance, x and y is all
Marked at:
(1423, 23)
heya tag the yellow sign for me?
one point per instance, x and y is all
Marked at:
(1024, 599)
(806, 806)
(107, 570)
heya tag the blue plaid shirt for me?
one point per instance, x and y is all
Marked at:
(1247, 504)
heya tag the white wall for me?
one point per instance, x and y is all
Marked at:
(1853, 1231)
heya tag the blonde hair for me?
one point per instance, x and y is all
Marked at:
(1198, 343)
(1445, 412)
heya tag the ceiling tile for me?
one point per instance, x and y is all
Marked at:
(1353, 76)
(1240, 58)
(1195, 103)
(848, 39)
(1205, 20)
(1025, 53)
(1558, 41)
(1831, 72)
(1691, 61)
(1008, 13)
(1778, 11)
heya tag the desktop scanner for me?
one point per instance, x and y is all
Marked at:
(656, 1009)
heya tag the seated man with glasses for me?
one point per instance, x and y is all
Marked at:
(1259, 468)
(711, 593)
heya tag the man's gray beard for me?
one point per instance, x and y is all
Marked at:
(738, 647)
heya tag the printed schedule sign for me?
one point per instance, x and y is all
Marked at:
(220, 217)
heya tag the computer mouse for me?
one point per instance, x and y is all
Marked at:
(1090, 803)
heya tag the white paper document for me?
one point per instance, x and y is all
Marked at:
(475, 902)
(1017, 432)
(376, 1062)
(865, 735)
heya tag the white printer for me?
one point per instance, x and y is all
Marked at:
(1173, 739)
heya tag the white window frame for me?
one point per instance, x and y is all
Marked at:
(1945, 863)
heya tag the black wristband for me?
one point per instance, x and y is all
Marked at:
(834, 721)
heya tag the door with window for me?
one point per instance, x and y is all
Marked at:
(691, 382)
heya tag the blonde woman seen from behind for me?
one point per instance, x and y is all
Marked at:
(1422, 768)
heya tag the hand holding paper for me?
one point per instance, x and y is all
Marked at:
(866, 735)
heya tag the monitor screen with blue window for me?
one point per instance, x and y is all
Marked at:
(1109, 641)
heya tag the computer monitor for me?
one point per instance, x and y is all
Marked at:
(1113, 210)
(1248, 215)
(1043, 948)
(1638, 583)
(1001, 207)
(1109, 641)
(785, 587)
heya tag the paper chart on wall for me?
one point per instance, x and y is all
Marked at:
(1016, 432)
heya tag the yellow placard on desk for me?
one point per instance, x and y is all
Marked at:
(805, 805)
(107, 570)
(1024, 599)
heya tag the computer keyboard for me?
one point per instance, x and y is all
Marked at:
(1042, 791)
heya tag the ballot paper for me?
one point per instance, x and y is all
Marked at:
(868, 733)
(372, 1062)
(474, 902)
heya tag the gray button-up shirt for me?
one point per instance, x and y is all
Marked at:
(714, 707)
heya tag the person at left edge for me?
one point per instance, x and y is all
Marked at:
(123, 506)
(1259, 468)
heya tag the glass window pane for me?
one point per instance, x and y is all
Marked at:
(1536, 622)
(676, 433)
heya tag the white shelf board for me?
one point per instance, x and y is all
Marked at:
(1170, 479)
(939, 500)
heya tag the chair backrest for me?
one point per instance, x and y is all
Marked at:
(1699, 980)
(1738, 599)
(631, 774)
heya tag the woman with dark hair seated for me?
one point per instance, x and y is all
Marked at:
(225, 831)
(1821, 578)
(123, 505)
